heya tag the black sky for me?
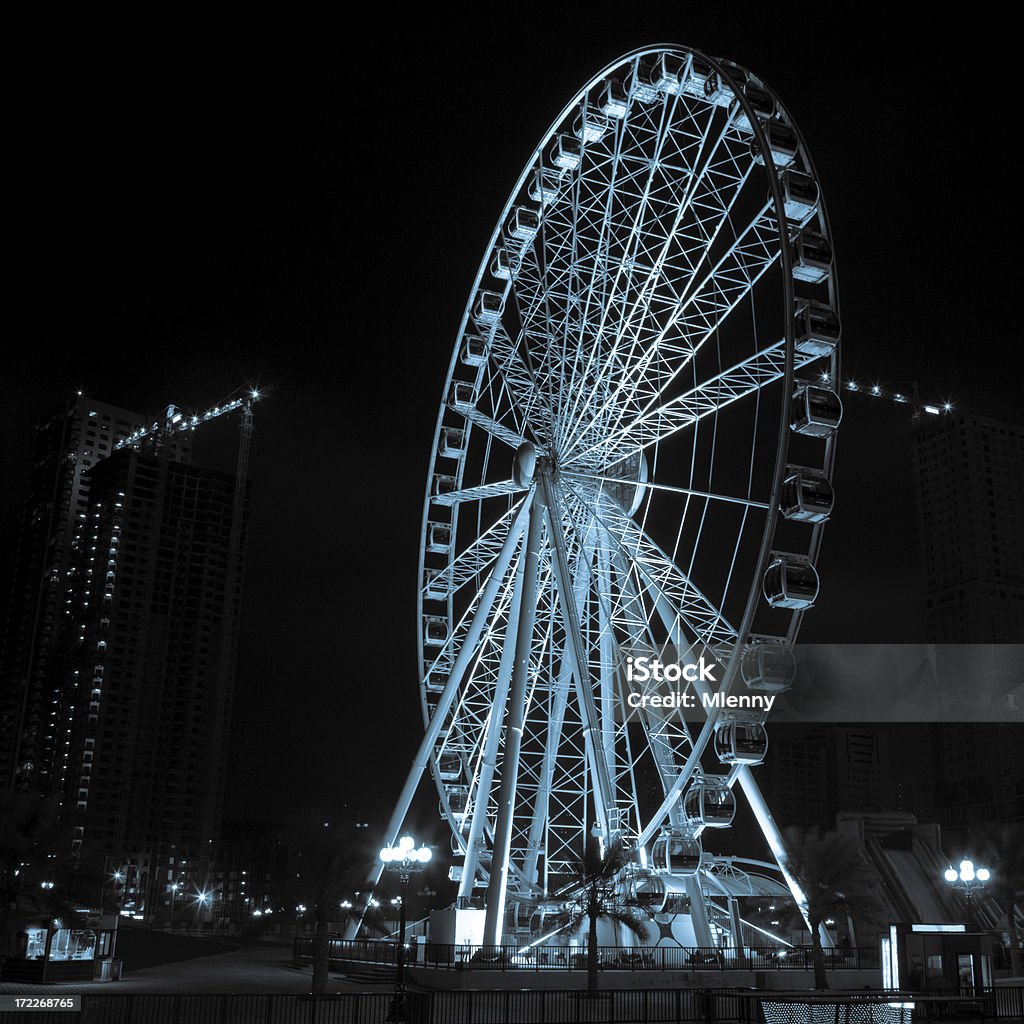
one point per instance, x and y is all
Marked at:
(305, 204)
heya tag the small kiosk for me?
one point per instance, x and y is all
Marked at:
(940, 958)
(51, 953)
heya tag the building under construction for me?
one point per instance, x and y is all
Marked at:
(119, 657)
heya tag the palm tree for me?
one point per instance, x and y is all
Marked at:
(1006, 850)
(597, 896)
(836, 879)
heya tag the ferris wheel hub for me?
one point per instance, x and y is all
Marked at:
(524, 466)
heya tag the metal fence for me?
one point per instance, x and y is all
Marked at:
(573, 958)
(634, 1006)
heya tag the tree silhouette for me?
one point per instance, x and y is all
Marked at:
(836, 879)
(326, 858)
(41, 880)
(598, 895)
(1005, 848)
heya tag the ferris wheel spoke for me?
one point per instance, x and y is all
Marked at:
(546, 773)
(667, 740)
(527, 396)
(703, 309)
(652, 331)
(490, 425)
(705, 622)
(644, 174)
(478, 493)
(667, 488)
(717, 175)
(747, 377)
(603, 794)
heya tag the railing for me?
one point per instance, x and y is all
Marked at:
(609, 958)
(519, 1006)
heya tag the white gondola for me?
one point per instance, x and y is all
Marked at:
(568, 152)
(523, 224)
(738, 742)
(435, 682)
(648, 891)
(443, 484)
(458, 800)
(643, 82)
(790, 582)
(669, 73)
(501, 265)
(435, 587)
(711, 802)
(435, 630)
(762, 102)
(463, 396)
(449, 767)
(439, 538)
(545, 186)
(782, 141)
(590, 125)
(488, 307)
(768, 666)
(817, 411)
(799, 196)
(676, 854)
(474, 350)
(614, 100)
(812, 257)
(453, 442)
(817, 329)
(705, 83)
(807, 495)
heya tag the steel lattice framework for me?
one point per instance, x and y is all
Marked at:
(639, 386)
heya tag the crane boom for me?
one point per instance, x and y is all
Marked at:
(174, 420)
(901, 393)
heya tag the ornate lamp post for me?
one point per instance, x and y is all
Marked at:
(405, 860)
(969, 880)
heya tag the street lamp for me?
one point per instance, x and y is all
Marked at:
(405, 860)
(969, 880)
(174, 895)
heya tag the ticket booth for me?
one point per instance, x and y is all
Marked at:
(936, 958)
(52, 953)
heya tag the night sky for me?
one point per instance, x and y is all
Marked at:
(305, 205)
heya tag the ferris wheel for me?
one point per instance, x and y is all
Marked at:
(634, 448)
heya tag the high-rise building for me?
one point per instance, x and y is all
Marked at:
(814, 773)
(969, 482)
(119, 655)
(33, 655)
(157, 567)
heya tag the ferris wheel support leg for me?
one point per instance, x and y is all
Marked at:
(496, 889)
(664, 757)
(604, 795)
(559, 700)
(698, 912)
(773, 837)
(489, 760)
(447, 698)
(606, 649)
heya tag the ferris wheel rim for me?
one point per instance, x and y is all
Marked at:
(726, 70)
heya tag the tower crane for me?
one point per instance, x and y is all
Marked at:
(906, 392)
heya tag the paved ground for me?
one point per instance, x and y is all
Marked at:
(249, 969)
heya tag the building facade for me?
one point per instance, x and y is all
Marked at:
(969, 488)
(119, 654)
